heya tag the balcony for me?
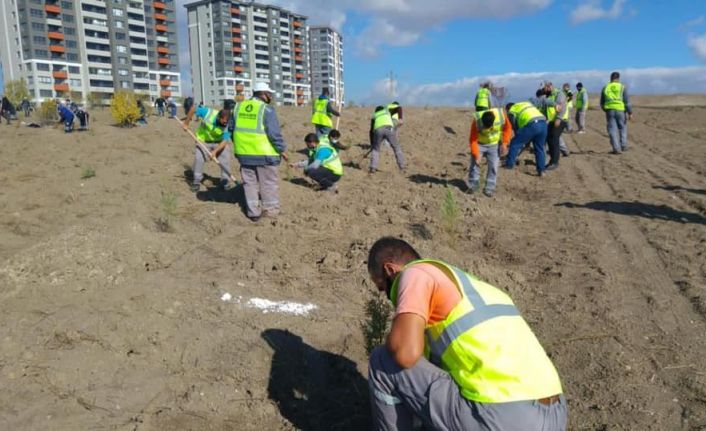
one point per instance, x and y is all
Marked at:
(298, 58)
(238, 69)
(237, 40)
(165, 82)
(297, 41)
(62, 88)
(160, 17)
(300, 92)
(237, 49)
(60, 74)
(159, 5)
(57, 48)
(163, 61)
(299, 75)
(162, 50)
(234, 11)
(298, 50)
(165, 93)
(297, 24)
(55, 35)
(161, 28)
(51, 8)
(236, 30)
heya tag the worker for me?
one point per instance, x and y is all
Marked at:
(142, 120)
(483, 98)
(616, 104)
(26, 106)
(259, 148)
(556, 122)
(566, 88)
(160, 104)
(381, 129)
(459, 355)
(66, 116)
(529, 125)
(489, 128)
(216, 136)
(322, 112)
(7, 109)
(83, 118)
(323, 164)
(397, 117)
(581, 107)
(188, 103)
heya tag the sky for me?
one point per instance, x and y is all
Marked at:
(439, 51)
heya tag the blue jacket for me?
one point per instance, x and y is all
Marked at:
(65, 114)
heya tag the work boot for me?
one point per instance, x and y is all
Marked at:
(551, 166)
(488, 193)
(195, 188)
(565, 153)
(372, 171)
(473, 187)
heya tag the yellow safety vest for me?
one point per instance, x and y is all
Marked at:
(209, 131)
(490, 136)
(320, 115)
(392, 106)
(524, 112)
(486, 346)
(483, 98)
(613, 96)
(579, 100)
(551, 110)
(382, 118)
(333, 162)
(250, 137)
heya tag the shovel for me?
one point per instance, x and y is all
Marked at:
(206, 151)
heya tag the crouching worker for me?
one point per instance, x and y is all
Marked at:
(83, 118)
(215, 133)
(459, 356)
(323, 165)
(66, 117)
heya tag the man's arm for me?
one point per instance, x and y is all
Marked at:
(189, 117)
(331, 110)
(507, 135)
(603, 100)
(406, 339)
(584, 97)
(560, 106)
(626, 101)
(274, 133)
(473, 141)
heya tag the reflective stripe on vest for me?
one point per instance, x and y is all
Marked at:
(382, 118)
(250, 137)
(579, 99)
(613, 97)
(524, 112)
(209, 131)
(483, 98)
(490, 136)
(485, 344)
(320, 115)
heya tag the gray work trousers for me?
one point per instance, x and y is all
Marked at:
(261, 185)
(388, 134)
(617, 127)
(581, 119)
(322, 130)
(200, 158)
(490, 152)
(563, 148)
(397, 395)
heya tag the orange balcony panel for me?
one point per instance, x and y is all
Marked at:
(57, 48)
(161, 27)
(55, 35)
(300, 92)
(162, 50)
(237, 49)
(52, 8)
(165, 82)
(297, 41)
(238, 69)
(298, 58)
(239, 88)
(60, 74)
(61, 87)
(237, 40)
(163, 60)
(236, 30)
(297, 23)
(160, 17)
(235, 11)
(298, 50)
(299, 76)
(165, 93)
(159, 5)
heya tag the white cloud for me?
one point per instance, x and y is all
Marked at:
(693, 23)
(698, 45)
(592, 10)
(655, 80)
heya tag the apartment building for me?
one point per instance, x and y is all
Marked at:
(77, 48)
(234, 44)
(326, 54)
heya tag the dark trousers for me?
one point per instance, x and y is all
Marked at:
(553, 136)
(534, 132)
(323, 176)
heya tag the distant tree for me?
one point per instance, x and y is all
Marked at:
(95, 100)
(16, 90)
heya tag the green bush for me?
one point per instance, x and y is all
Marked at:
(46, 112)
(377, 313)
(16, 90)
(124, 108)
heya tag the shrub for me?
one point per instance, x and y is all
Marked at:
(377, 313)
(124, 108)
(87, 173)
(46, 112)
(16, 90)
(449, 216)
(169, 211)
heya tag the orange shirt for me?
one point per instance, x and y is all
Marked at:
(425, 290)
(473, 141)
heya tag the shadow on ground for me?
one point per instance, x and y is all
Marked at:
(680, 188)
(428, 179)
(314, 389)
(639, 209)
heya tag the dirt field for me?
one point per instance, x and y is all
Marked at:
(110, 323)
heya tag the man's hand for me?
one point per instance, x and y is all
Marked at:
(503, 151)
(557, 122)
(213, 155)
(185, 125)
(630, 117)
(284, 156)
(406, 339)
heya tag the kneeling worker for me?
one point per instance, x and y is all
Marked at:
(323, 165)
(488, 129)
(214, 133)
(459, 355)
(529, 125)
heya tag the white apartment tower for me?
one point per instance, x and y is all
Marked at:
(234, 44)
(72, 48)
(326, 54)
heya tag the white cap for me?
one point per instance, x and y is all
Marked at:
(261, 86)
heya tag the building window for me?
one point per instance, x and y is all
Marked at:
(125, 84)
(41, 52)
(68, 18)
(46, 93)
(38, 26)
(36, 13)
(123, 72)
(74, 69)
(40, 40)
(67, 5)
(121, 49)
(75, 82)
(44, 79)
(43, 66)
(72, 57)
(71, 44)
(118, 12)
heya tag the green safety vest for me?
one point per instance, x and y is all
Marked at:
(483, 98)
(392, 106)
(613, 96)
(579, 100)
(382, 118)
(320, 115)
(486, 346)
(490, 136)
(524, 112)
(209, 130)
(250, 137)
(333, 162)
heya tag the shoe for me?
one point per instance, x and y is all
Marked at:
(508, 167)
(372, 170)
(565, 154)
(225, 185)
(615, 152)
(624, 149)
(551, 166)
(540, 174)
(581, 132)
(254, 218)
(195, 188)
(488, 193)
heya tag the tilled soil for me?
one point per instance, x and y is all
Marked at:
(111, 286)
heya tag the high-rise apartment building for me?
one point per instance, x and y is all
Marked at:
(72, 48)
(234, 44)
(326, 54)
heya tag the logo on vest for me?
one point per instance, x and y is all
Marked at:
(249, 108)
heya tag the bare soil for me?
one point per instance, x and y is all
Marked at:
(110, 286)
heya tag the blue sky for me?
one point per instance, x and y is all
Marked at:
(440, 50)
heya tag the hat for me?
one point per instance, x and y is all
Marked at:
(261, 86)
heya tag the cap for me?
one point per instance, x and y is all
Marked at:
(261, 86)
